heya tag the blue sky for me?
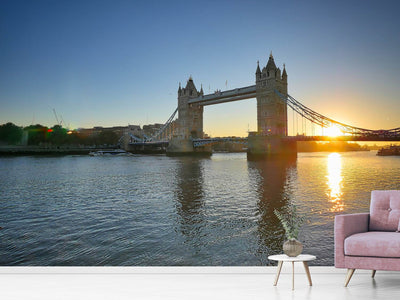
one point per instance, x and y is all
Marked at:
(108, 63)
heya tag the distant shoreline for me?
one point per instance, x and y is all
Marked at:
(36, 150)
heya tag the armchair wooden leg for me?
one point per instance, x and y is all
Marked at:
(350, 273)
(373, 273)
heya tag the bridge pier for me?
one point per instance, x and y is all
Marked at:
(184, 147)
(264, 147)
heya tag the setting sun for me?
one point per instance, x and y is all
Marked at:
(333, 131)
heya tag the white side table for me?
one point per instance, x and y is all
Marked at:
(283, 257)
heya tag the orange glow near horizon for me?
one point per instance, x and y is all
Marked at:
(333, 130)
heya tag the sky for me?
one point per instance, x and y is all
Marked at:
(114, 63)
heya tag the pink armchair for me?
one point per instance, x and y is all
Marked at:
(371, 240)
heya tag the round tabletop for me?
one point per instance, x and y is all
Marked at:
(284, 257)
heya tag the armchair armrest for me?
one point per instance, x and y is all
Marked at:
(346, 225)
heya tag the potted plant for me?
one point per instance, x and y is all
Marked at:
(291, 221)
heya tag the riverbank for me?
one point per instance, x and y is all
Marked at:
(40, 150)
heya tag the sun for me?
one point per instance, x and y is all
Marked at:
(333, 130)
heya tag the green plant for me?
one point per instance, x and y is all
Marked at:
(291, 220)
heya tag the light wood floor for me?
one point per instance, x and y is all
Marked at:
(194, 283)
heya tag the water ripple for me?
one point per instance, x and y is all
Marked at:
(156, 210)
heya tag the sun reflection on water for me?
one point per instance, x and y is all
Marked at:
(334, 182)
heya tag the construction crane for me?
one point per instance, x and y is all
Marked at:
(55, 114)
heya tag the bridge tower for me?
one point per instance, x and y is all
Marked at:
(271, 110)
(190, 123)
(190, 116)
(272, 123)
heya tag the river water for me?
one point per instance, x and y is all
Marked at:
(162, 211)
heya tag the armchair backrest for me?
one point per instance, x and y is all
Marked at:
(384, 210)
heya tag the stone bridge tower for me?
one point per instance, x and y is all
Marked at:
(271, 110)
(190, 116)
(190, 123)
(272, 123)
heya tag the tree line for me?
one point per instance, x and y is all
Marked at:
(33, 135)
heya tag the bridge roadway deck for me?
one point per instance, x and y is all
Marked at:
(299, 138)
(155, 143)
(345, 138)
(225, 96)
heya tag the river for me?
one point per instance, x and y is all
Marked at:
(177, 211)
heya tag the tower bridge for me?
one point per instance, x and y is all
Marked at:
(184, 135)
(271, 114)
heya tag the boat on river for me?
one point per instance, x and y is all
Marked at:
(112, 152)
(391, 150)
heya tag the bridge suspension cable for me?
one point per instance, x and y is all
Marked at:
(164, 127)
(326, 122)
(135, 138)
